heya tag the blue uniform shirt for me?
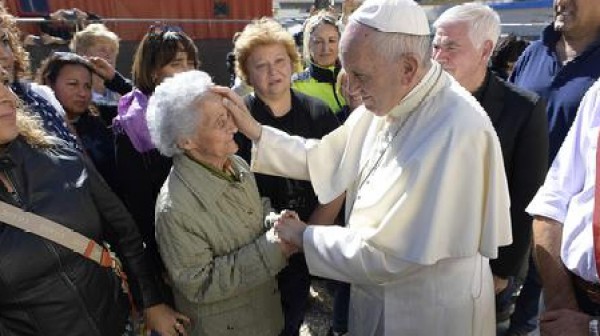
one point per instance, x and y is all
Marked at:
(562, 86)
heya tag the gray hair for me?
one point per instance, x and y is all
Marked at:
(88, 37)
(484, 22)
(393, 46)
(171, 113)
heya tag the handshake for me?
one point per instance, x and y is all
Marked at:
(287, 230)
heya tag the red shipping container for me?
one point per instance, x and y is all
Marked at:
(208, 19)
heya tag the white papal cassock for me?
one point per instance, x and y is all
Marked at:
(427, 204)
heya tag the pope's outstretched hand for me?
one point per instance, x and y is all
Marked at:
(238, 111)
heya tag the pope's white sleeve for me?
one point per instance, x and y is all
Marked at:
(342, 254)
(280, 154)
(319, 161)
(566, 177)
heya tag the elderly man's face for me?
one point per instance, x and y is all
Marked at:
(376, 79)
(213, 141)
(270, 71)
(576, 16)
(454, 50)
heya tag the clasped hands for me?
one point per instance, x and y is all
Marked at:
(289, 229)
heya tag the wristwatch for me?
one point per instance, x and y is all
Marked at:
(593, 326)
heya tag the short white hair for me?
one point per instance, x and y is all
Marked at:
(483, 22)
(171, 113)
(393, 46)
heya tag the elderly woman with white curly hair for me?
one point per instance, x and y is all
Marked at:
(220, 258)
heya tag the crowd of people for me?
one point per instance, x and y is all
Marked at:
(439, 176)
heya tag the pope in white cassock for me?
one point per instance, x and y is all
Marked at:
(427, 202)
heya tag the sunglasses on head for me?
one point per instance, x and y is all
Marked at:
(68, 56)
(159, 28)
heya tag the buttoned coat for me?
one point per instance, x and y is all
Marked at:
(220, 259)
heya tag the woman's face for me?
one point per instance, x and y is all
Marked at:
(7, 59)
(180, 63)
(73, 89)
(8, 115)
(269, 71)
(323, 45)
(212, 142)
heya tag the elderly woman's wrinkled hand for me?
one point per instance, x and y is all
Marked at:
(290, 229)
(238, 111)
(288, 248)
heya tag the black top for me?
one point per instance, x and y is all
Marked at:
(309, 118)
(519, 118)
(140, 177)
(120, 85)
(47, 289)
(98, 142)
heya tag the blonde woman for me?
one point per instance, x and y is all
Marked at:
(320, 52)
(266, 56)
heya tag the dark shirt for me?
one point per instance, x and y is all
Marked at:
(98, 141)
(519, 118)
(46, 289)
(120, 85)
(562, 86)
(141, 175)
(309, 118)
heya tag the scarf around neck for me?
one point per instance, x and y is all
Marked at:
(131, 120)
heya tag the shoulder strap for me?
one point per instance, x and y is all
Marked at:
(56, 233)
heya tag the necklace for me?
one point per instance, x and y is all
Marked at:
(381, 154)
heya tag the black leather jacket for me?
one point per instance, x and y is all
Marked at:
(46, 289)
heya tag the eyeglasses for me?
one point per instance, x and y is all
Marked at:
(160, 28)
